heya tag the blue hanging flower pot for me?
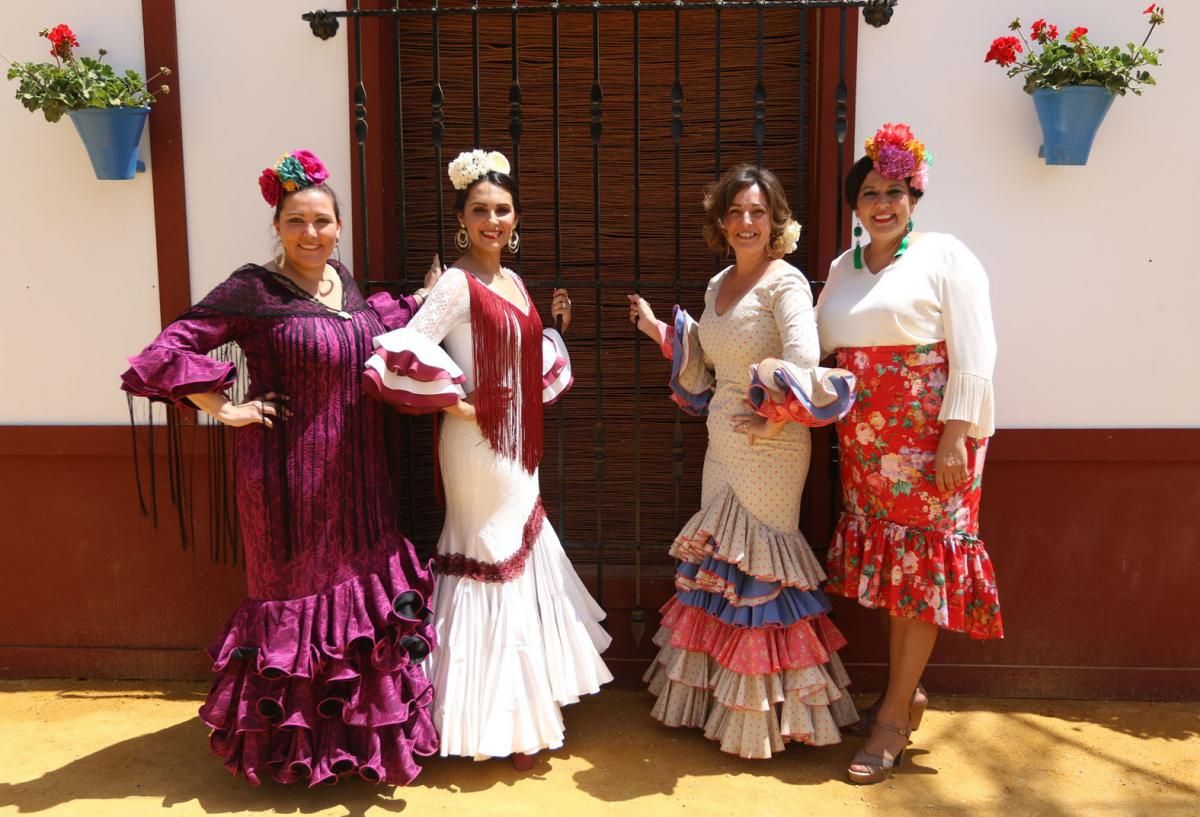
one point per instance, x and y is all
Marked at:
(111, 136)
(1070, 118)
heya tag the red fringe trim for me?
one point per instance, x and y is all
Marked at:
(457, 564)
(507, 345)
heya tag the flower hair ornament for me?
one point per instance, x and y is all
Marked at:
(291, 172)
(897, 155)
(788, 239)
(471, 165)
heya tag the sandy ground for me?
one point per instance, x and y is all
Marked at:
(95, 749)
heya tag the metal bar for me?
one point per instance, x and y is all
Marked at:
(840, 127)
(410, 472)
(760, 96)
(360, 135)
(398, 125)
(637, 615)
(589, 6)
(800, 108)
(475, 68)
(437, 103)
(676, 138)
(514, 111)
(595, 131)
(557, 172)
(716, 109)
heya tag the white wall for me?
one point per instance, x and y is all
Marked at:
(81, 272)
(256, 83)
(80, 276)
(1094, 286)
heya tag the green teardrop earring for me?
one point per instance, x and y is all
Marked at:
(904, 241)
(858, 231)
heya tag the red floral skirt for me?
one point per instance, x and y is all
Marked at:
(900, 543)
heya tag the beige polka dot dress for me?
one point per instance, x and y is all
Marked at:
(746, 651)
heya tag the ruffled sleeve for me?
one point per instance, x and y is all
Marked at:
(692, 378)
(556, 367)
(394, 311)
(812, 395)
(970, 341)
(412, 373)
(176, 364)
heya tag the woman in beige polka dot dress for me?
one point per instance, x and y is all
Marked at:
(747, 652)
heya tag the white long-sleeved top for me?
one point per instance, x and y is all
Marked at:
(936, 291)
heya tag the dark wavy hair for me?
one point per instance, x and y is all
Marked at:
(720, 195)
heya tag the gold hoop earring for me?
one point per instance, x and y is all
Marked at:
(514, 242)
(461, 239)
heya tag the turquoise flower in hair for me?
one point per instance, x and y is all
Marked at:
(291, 174)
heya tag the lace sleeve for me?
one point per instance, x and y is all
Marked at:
(448, 306)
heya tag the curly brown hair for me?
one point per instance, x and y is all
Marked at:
(720, 195)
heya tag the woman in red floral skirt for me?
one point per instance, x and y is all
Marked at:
(909, 315)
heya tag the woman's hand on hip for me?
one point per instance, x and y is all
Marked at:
(560, 307)
(462, 410)
(756, 427)
(265, 410)
(950, 462)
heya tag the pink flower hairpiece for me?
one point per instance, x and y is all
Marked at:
(897, 154)
(291, 172)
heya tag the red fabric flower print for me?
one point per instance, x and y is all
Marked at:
(1043, 31)
(269, 184)
(1076, 34)
(62, 40)
(1004, 51)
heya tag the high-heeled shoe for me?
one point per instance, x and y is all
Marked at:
(521, 762)
(866, 719)
(879, 767)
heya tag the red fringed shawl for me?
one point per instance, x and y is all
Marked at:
(507, 346)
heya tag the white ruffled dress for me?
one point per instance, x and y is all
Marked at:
(518, 634)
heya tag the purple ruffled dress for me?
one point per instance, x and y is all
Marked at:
(318, 671)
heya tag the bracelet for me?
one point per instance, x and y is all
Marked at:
(421, 293)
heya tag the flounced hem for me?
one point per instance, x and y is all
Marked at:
(725, 530)
(171, 375)
(326, 685)
(513, 653)
(802, 705)
(750, 651)
(943, 578)
(295, 729)
(299, 637)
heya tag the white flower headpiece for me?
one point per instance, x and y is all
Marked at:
(787, 241)
(472, 164)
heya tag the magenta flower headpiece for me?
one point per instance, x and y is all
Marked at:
(292, 171)
(898, 155)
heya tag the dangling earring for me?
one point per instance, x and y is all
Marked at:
(858, 231)
(903, 248)
(337, 250)
(514, 242)
(461, 239)
(910, 225)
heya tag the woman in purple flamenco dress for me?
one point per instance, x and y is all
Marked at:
(318, 672)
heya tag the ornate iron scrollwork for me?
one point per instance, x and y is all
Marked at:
(878, 13)
(323, 24)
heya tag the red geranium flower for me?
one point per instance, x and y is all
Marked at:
(62, 40)
(1004, 51)
(1043, 31)
(1076, 34)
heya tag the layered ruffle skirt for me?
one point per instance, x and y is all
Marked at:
(900, 543)
(747, 652)
(326, 685)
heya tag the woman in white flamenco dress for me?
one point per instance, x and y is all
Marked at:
(518, 634)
